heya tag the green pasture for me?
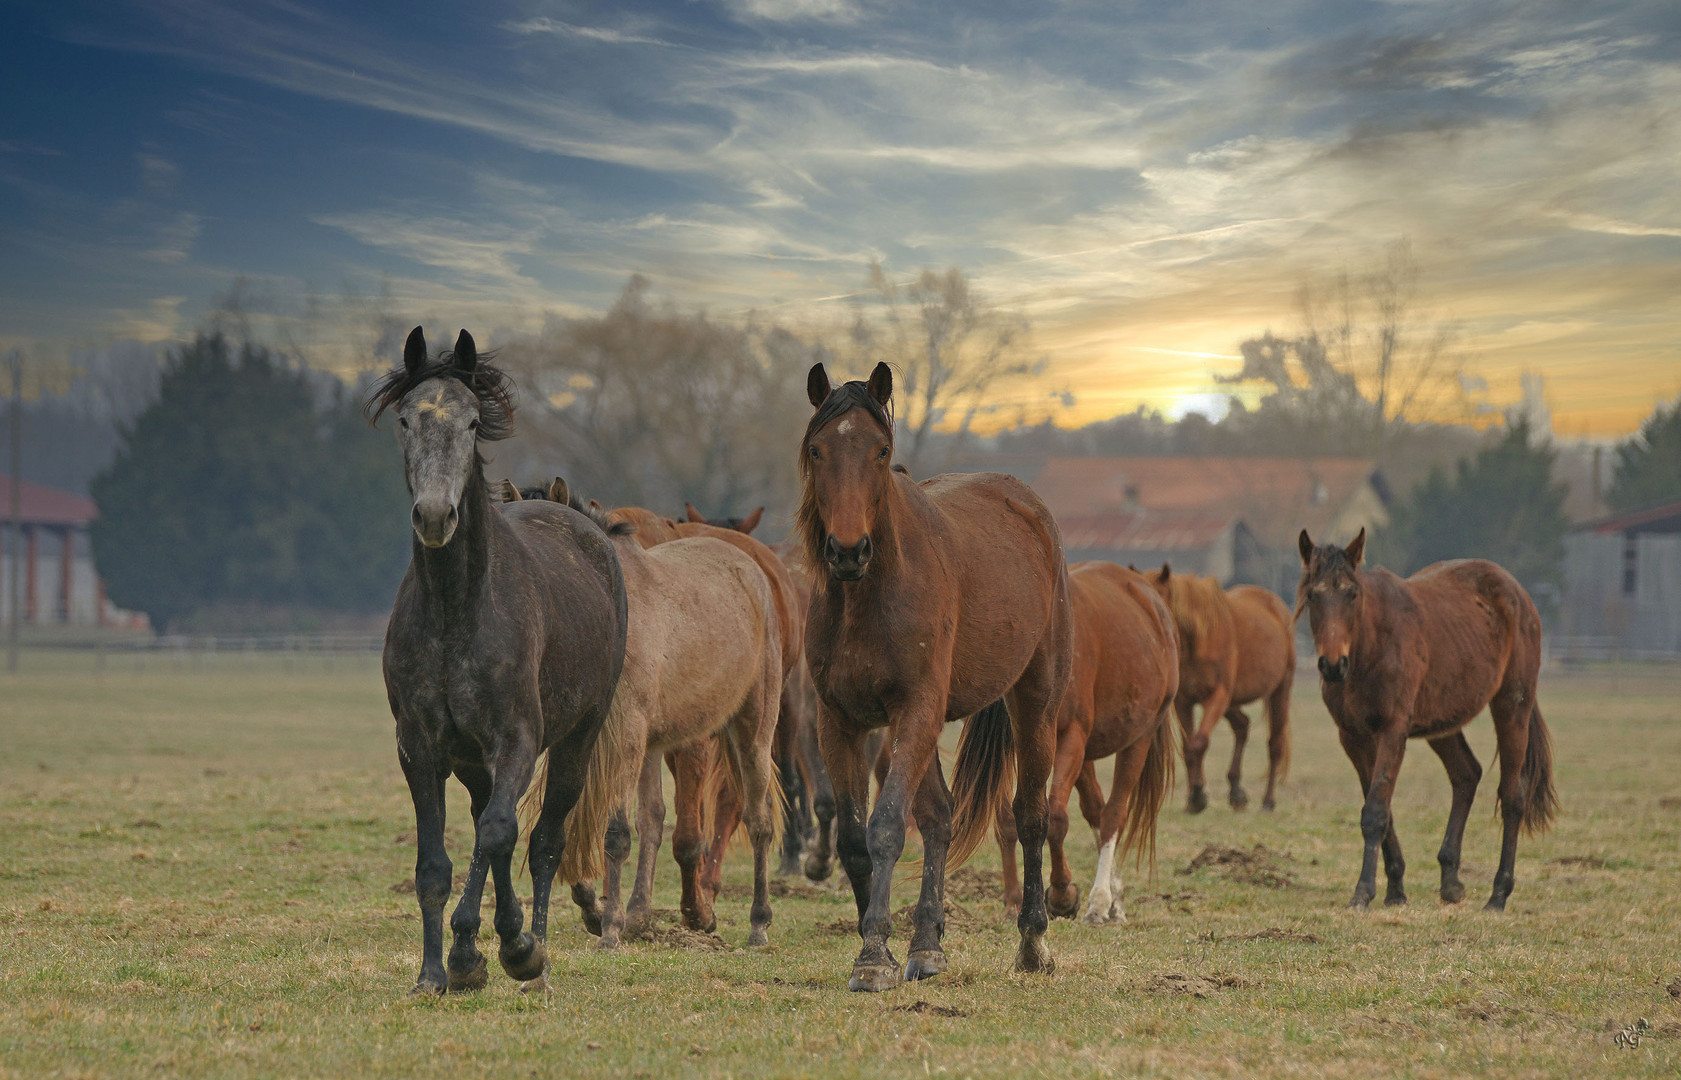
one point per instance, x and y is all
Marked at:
(204, 862)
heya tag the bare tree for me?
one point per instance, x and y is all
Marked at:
(950, 349)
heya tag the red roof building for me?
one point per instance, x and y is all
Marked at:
(57, 582)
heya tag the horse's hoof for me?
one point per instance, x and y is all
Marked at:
(757, 937)
(1453, 893)
(1060, 910)
(925, 964)
(639, 924)
(428, 986)
(592, 919)
(1359, 903)
(819, 869)
(790, 866)
(1239, 799)
(525, 960)
(694, 922)
(1034, 957)
(1495, 903)
(1395, 899)
(1268, 806)
(875, 978)
(1197, 801)
(475, 978)
(539, 985)
(609, 942)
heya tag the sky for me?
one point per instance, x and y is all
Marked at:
(1148, 183)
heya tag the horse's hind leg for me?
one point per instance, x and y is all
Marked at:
(820, 860)
(1239, 721)
(1510, 711)
(692, 766)
(650, 830)
(750, 736)
(933, 809)
(432, 867)
(1004, 829)
(1464, 773)
(1091, 800)
(1063, 898)
(796, 813)
(1278, 740)
(1196, 797)
(496, 833)
(1033, 704)
(617, 849)
(1104, 905)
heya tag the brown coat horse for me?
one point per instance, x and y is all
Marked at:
(940, 599)
(1419, 658)
(1235, 646)
(1119, 702)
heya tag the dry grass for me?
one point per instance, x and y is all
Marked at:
(199, 880)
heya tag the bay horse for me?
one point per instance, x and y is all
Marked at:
(506, 641)
(1419, 658)
(741, 524)
(703, 661)
(941, 600)
(1236, 646)
(1119, 702)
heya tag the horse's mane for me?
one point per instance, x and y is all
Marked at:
(492, 386)
(1195, 602)
(808, 523)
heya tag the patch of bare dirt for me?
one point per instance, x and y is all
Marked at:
(777, 887)
(1674, 988)
(1670, 802)
(1274, 933)
(924, 1008)
(972, 884)
(1586, 862)
(1257, 866)
(1201, 986)
(845, 927)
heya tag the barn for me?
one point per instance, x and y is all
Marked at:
(1622, 587)
(56, 579)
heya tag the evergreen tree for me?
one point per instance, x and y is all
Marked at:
(1500, 504)
(1648, 469)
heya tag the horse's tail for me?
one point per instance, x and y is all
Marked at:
(606, 780)
(985, 768)
(1155, 784)
(1540, 803)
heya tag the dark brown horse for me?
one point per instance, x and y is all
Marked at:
(1419, 658)
(506, 641)
(942, 600)
(1120, 703)
(1235, 646)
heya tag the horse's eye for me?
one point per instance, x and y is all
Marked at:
(473, 424)
(813, 452)
(403, 422)
(881, 455)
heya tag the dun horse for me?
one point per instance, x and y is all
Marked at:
(1119, 702)
(506, 641)
(1235, 646)
(942, 600)
(1419, 658)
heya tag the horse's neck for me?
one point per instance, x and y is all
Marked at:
(454, 578)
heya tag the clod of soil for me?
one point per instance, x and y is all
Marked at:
(971, 884)
(1194, 985)
(839, 926)
(404, 886)
(678, 937)
(923, 1008)
(1674, 989)
(957, 916)
(1257, 866)
(1670, 802)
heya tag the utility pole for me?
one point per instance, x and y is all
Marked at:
(15, 517)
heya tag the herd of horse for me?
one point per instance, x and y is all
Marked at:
(554, 656)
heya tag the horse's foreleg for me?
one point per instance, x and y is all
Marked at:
(1196, 743)
(846, 759)
(1196, 797)
(650, 830)
(750, 738)
(1278, 740)
(1063, 899)
(913, 735)
(522, 956)
(432, 867)
(467, 968)
(566, 765)
(795, 797)
(1379, 763)
(1464, 773)
(1034, 703)
(1511, 735)
(1235, 716)
(933, 810)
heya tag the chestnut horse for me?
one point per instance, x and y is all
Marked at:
(1119, 702)
(1419, 658)
(942, 600)
(506, 641)
(1235, 646)
(703, 658)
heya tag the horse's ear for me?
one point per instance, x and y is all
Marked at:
(691, 514)
(881, 383)
(817, 385)
(1305, 545)
(1133, 568)
(414, 349)
(751, 521)
(510, 493)
(595, 506)
(466, 353)
(1356, 548)
(559, 492)
(1166, 574)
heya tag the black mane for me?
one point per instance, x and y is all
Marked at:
(492, 386)
(843, 398)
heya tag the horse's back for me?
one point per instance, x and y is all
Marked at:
(1265, 641)
(1126, 648)
(1479, 630)
(790, 612)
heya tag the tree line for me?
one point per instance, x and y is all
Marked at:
(252, 480)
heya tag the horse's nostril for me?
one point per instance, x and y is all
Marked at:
(452, 517)
(864, 550)
(414, 515)
(831, 549)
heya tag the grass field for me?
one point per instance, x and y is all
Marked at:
(199, 871)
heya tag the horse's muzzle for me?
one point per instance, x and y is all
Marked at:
(847, 563)
(1333, 670)
(434, 521)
